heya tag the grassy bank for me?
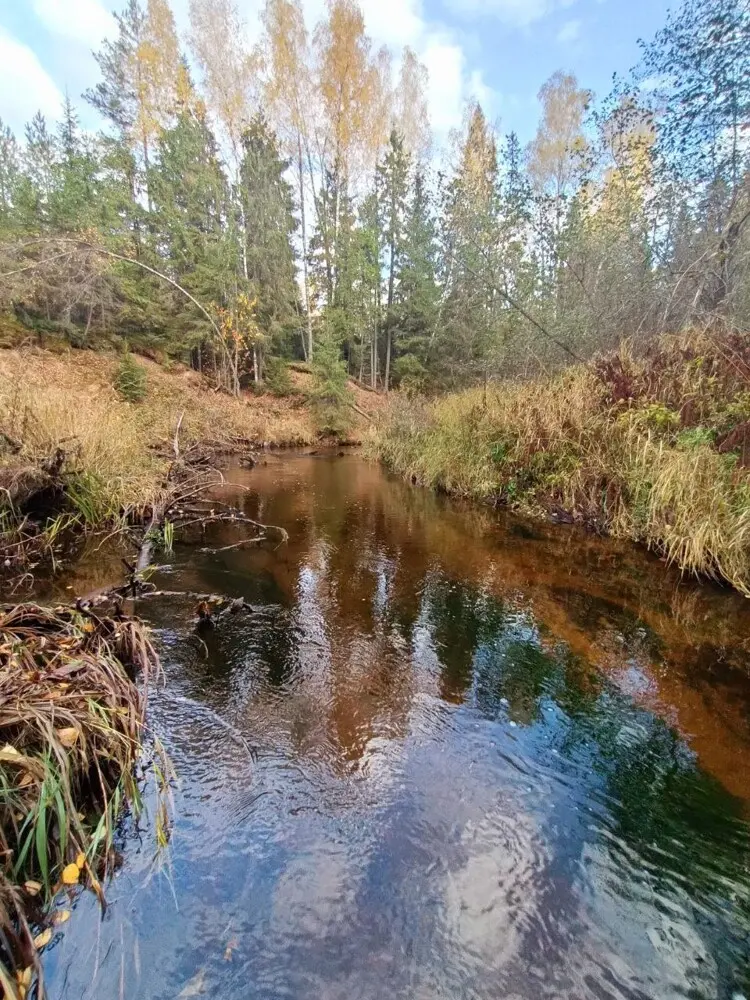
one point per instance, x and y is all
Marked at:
(652, 448)
(75, 455)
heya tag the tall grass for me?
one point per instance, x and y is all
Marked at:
(632, 447)
(115, 453)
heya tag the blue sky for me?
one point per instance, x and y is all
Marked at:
(500, 51)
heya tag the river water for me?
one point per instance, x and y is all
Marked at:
(448, 754)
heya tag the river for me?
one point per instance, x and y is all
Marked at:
(450, 753)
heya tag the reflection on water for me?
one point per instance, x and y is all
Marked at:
(495, 760)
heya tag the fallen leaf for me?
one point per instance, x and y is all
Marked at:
(68, 736)
(232, 943)
(194, 987)
(9, 753)
(33, 888)
(71, 874)
(43, 939)
(60, 916)
(81, 861)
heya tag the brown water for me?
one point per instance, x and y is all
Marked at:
(494, 760)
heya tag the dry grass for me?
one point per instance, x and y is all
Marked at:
(79, 390)
(116, 452)
(633, 447)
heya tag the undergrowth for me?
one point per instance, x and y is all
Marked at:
(654, 448)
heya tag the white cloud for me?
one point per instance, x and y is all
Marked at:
(25, 86)
(84, 21)
(445, 64)
(570, 32)
(394, 22)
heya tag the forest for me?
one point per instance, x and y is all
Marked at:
(248, 204)
(267, 244)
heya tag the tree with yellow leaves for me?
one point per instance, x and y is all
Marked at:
(410, 113)
(353, 88)
(288, 96)
(140, 73)
(241, 337)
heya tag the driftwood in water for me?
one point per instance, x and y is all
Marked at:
(184, 503)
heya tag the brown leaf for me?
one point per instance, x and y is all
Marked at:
(68, 736)
(33, 888)
(60, 916)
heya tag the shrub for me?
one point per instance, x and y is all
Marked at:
(277, 377)
(130, 379)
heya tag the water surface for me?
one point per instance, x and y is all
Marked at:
(490, 759)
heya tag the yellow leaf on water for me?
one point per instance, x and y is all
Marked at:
(43, 939)
(60, 916)
(68, 736)
(81, 861)
(33, 888)
(71, 874)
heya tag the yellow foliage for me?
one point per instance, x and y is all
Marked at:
(71, 874)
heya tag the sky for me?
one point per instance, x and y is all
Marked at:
(497, 51)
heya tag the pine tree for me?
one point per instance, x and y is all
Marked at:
(73, 205)
(268, 207)
(130, 379)
(392, 187)
(419, 296)
(470, 237)
(190, 197)
(10, 175)
(40, 159)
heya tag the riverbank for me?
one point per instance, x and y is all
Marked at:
(71, 725)
(654, 448)
(75, 456)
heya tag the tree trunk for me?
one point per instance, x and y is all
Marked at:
(146, 167)
(388, 343)
(309, 348)
(389, 317)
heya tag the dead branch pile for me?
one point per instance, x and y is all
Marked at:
(71, 720)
